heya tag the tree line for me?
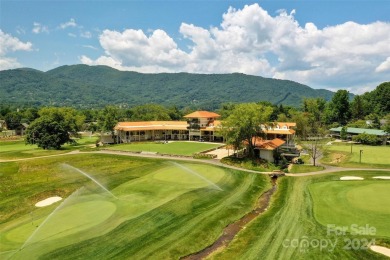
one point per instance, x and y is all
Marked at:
(313, 117)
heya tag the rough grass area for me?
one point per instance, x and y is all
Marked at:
(250, 164)
(282, 231)
(174, 148)
(10, 150)
(372, 157)
(161, 209)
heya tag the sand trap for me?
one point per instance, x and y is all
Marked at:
(48, 201)
(382, 177)
(351, 178)
(381, 249)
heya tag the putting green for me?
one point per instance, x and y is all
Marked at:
(344, 203)
(66, 221)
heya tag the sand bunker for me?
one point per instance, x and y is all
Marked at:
(382, 250)
(382, 177)
(351, 178)
(48, 201)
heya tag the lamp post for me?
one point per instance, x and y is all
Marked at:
(360, 159)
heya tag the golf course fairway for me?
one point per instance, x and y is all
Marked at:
(133, 207)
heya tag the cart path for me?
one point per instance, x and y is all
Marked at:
(328, 169)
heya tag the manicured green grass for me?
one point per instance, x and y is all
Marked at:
(302, 168)
(174, 148)
(373, 156)
(279, 233)
(18, 149)
(162, 208)
(358, 202)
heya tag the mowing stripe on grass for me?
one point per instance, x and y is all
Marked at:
(197, 175)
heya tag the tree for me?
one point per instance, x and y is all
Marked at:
(339, 107)
(343, 133)
(315, 149)
(12, 120)
(70, 118)
(47, 134)
(150, 112)
(108, 118)
(244, 124)
(386, 127)
(358, 108)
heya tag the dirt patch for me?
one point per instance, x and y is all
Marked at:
(232, 229)
(338, 158)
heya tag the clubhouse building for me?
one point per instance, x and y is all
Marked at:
(200, 126)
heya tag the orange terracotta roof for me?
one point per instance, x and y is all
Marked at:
(280, 131)
(202, 114)
(268, 144)
(288, 124)
(151, 125)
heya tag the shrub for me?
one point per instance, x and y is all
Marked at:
(365, 138)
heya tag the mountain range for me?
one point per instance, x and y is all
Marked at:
(86, 86)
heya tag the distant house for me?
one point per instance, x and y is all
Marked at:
(265, 149)
(351, 131)
(21, 129)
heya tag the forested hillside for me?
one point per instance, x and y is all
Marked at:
(96, 86)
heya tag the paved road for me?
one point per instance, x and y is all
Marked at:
(328, 169)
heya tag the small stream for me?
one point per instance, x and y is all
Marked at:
(232, 229)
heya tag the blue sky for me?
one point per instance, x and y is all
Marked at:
(324, 44)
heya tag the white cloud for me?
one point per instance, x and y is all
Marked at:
(345, 56)
(8, 44)
(90, 47)
(72, 35)
(86, 34)
(70, 23)
(384, 66)
(39, 28)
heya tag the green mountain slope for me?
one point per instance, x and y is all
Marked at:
(91, 86)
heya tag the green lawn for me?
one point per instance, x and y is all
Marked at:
(302, 168)
(174, 148)
(18, 149)
(279, 233)
(372, 156)
(353, 202)
(163, 209)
